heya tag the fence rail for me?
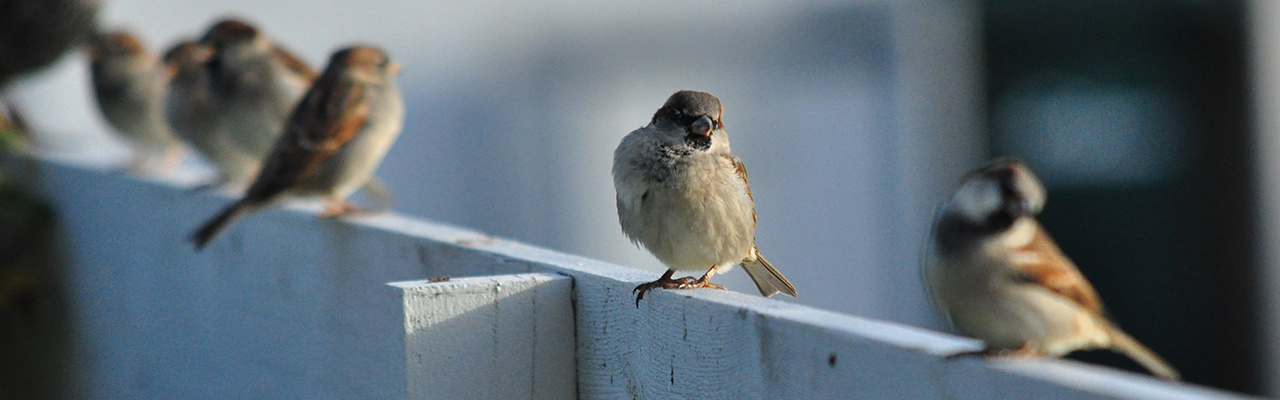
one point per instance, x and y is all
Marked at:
(290, 306)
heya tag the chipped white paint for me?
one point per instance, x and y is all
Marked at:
(498, 337)
(289, 306)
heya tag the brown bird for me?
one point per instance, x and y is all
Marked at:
(192, 114)
(683, 194)
(333, 142)
(130, 84)
(255, 84)
(993, 271)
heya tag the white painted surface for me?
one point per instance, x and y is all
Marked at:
(498, 337)
(289, 306)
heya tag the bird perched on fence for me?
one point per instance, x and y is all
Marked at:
(255, 84)
(192, 113)
(334, 140)
(683, 195)
(130, 84)
(993, 271)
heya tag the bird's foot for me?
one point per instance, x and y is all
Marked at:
(1026, 351)
(689, 282)
(337, 208)
(170, 158)
(665, 282)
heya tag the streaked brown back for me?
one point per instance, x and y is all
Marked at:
(1045, 264)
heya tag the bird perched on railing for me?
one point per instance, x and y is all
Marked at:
(993, 271)
(129, 83)
(683, 195)
(192, 113)
(255, 84)
(334, 140)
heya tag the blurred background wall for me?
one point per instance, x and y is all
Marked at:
(1135, 114)
(854, 119)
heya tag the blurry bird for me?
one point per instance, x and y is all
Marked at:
(993, 271)
(34, 33)
(683, 195)
(192, 113)
(130, 84)
(333, 142)
(255, 84)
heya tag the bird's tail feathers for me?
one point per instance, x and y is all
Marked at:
(378, 191)
(214, 227)
(1123, 343)
(767, 278)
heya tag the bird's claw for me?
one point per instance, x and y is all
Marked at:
(687, 282)
(1027, 350)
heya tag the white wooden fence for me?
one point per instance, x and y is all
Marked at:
(289, 306)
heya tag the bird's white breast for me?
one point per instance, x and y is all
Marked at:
(697, 216)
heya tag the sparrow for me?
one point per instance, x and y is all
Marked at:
(994, 273)
(130, 83)
(683, 195)
(35, 33)
(191, 112)
(334, 140)
(255, 84)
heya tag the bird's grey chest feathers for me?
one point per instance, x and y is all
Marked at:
(686, 206)
(662, 166)
(131, 97)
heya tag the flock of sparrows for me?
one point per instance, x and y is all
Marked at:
(258, 114)
(264, 119)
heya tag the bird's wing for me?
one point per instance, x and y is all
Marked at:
(742, 173)
(328, 117)
(1041, 262)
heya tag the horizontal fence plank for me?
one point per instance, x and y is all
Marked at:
(288, 300)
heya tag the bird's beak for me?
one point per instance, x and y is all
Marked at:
(393, 69)
(702, 126)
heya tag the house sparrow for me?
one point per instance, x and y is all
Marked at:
(255, 84)
(993, 272)
(191, 112)
(35, 33)
(130, 84)
(684, 196)
(333, 142)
